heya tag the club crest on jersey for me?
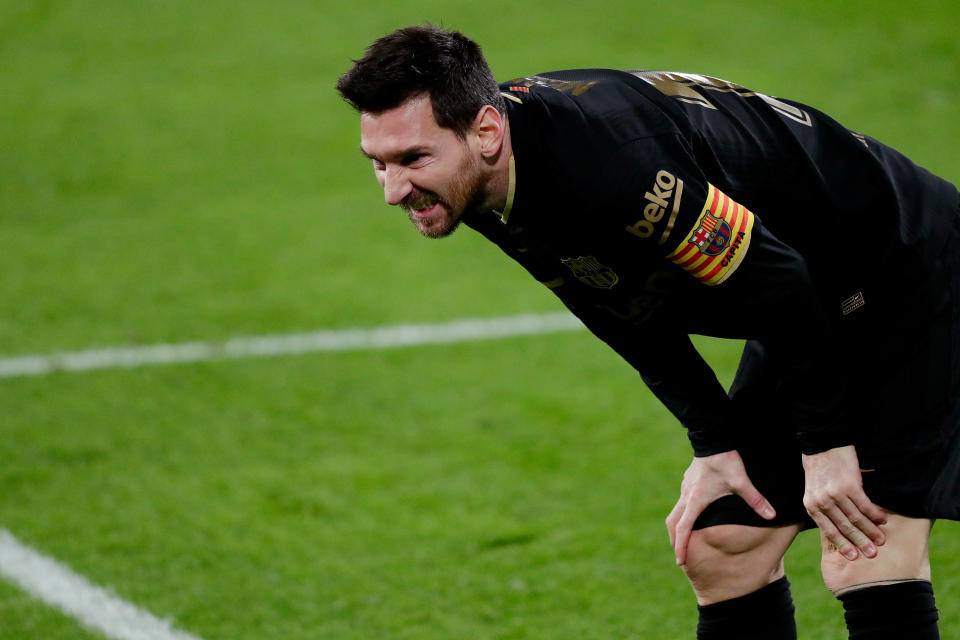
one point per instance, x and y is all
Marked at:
(712, 236)
(592, 272)
(715, 247)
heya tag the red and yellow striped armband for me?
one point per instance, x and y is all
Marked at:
(713, 250)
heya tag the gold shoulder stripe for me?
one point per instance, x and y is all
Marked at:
(511, 97)
(713, 250)
(511, 190)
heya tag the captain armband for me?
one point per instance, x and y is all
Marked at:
(719, 240)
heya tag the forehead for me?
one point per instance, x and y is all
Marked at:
(410, 125)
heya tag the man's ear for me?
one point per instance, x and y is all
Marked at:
(489, 128)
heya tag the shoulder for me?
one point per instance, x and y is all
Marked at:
(602, 104)
(580, 130)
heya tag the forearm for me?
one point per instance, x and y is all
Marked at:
(677, 375)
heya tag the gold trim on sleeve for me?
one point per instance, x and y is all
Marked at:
(511, 191)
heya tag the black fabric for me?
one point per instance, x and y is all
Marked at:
(898, 480)
(892, 612)
(765, 614)
(615, 169)
(845, 276)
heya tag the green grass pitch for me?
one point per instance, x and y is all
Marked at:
(177, 171)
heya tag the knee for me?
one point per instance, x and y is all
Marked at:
(728, 540)
(719, 550)
(891, 565)
(728, 561)
(904, 556)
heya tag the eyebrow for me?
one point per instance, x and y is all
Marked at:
(403, 153)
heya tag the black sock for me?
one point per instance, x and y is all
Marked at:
(892, 612)
(765, 614)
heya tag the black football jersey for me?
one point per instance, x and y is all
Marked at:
(657, 205)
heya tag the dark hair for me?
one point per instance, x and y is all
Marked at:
(447, 65)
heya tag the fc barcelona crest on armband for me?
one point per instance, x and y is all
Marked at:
(714, 248)
(712, 236)
(591, 272)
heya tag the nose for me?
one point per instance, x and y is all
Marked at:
(396, 185)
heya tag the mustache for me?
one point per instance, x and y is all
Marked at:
(419, 200)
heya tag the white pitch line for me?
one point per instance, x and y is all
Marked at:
(90, 605)
(95, 607)
(389, 337)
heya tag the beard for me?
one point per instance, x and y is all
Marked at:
(464, 194)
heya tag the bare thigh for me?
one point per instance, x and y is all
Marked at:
(903, 556)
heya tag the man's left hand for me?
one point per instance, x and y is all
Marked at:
(835, 499)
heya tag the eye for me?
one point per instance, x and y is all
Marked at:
(378, 165)
(412, 159)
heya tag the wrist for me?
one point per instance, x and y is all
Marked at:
(709, 443)
(812, 443)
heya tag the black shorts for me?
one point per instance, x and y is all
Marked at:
(908, 448)
(921, 484)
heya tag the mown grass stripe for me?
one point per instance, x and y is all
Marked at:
(407, 335)
(92, 606)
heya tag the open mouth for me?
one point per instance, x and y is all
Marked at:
(424, 211)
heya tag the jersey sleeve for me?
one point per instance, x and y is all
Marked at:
(673, 370)
(686, 385)
(780, 308)
(663, 202)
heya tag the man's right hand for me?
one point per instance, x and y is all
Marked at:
(705, 480)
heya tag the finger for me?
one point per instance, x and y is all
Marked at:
(756, 501)
(848, 520)
(869, 509)
(672, 520)
(832, 534)
(839, 530)
(859, 529)
(684, 529)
